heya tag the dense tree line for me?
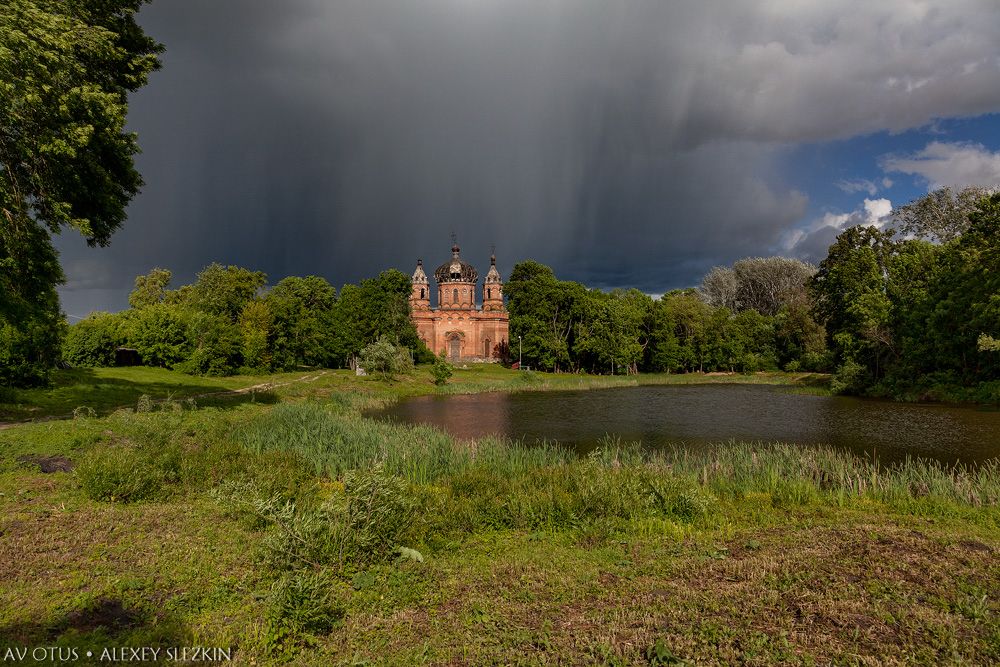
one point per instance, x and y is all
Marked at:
(228, 320)
(753, 316)
(911, 316)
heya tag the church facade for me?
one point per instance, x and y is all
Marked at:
(458, 327)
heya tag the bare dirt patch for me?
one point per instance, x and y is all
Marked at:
(47, 464)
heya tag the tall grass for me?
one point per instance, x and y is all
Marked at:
(336, 441)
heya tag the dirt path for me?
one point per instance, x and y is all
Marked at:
(263, 386)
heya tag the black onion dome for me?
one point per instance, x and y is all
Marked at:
(456, 271)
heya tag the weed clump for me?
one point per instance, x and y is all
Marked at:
(303, 602)
(119, 474)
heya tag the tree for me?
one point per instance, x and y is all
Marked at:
(850, 293)
(225, 290)
(66, 68)
(255, 328)
(545, 312)
(378, 307)
(150, 288)
(384, 358)
(159, 333)
(964, 299)
(213, 344)
(93, 340)
(302, 329)
(720, 288)
(942, 215)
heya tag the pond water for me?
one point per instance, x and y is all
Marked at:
(700, 414)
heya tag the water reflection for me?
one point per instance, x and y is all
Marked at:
(660, 415)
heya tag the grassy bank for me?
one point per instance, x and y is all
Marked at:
(293, 529)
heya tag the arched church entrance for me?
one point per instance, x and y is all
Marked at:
(454, 346)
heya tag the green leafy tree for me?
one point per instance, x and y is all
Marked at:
(159, 334)
(66, 160)
(613, 330)
(965, 296)
(225, 290)
(378, 307)
(255, 328)
(302, 328)
(213, 345)
(545, 312)
(150, 289)
(851, 297)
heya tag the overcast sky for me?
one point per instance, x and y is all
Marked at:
(624, 143)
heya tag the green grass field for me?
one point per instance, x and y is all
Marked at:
(269, 522)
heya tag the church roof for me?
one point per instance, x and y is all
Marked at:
(419, 277)
(493, 276)
(456, 270)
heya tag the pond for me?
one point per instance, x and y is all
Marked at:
(700, 414)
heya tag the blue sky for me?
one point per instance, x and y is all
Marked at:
(826, 170)
(839, 176)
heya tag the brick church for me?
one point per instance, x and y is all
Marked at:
(457, 326)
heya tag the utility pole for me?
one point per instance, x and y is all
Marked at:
(518, 353)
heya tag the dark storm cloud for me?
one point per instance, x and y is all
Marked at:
(625, 143)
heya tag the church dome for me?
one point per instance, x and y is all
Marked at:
(456, 271)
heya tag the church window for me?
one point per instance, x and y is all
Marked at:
(489, 293)
(454, 295)
(421, 292)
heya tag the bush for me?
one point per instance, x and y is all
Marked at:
(92, 341)
(118, 475)
(8, 395)
(29, 351)
(362, 525)
(816, 362)
(214, 346)
(850, 378)
(441, 371)
(159, 334)
(384, 358)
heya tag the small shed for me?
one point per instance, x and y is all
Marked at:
(127, 356)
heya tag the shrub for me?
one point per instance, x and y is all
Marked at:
(384, 358)
(816, 362)
(159, 334)
(850, 378)
(93, 340)
(214, 346)
(8, 395)
(118, 475)
(29, 351)
(307, 602)
(441, 371)
(364, 524)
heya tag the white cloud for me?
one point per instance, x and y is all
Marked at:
(876, 211)
(949, 164)
(812, 241)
